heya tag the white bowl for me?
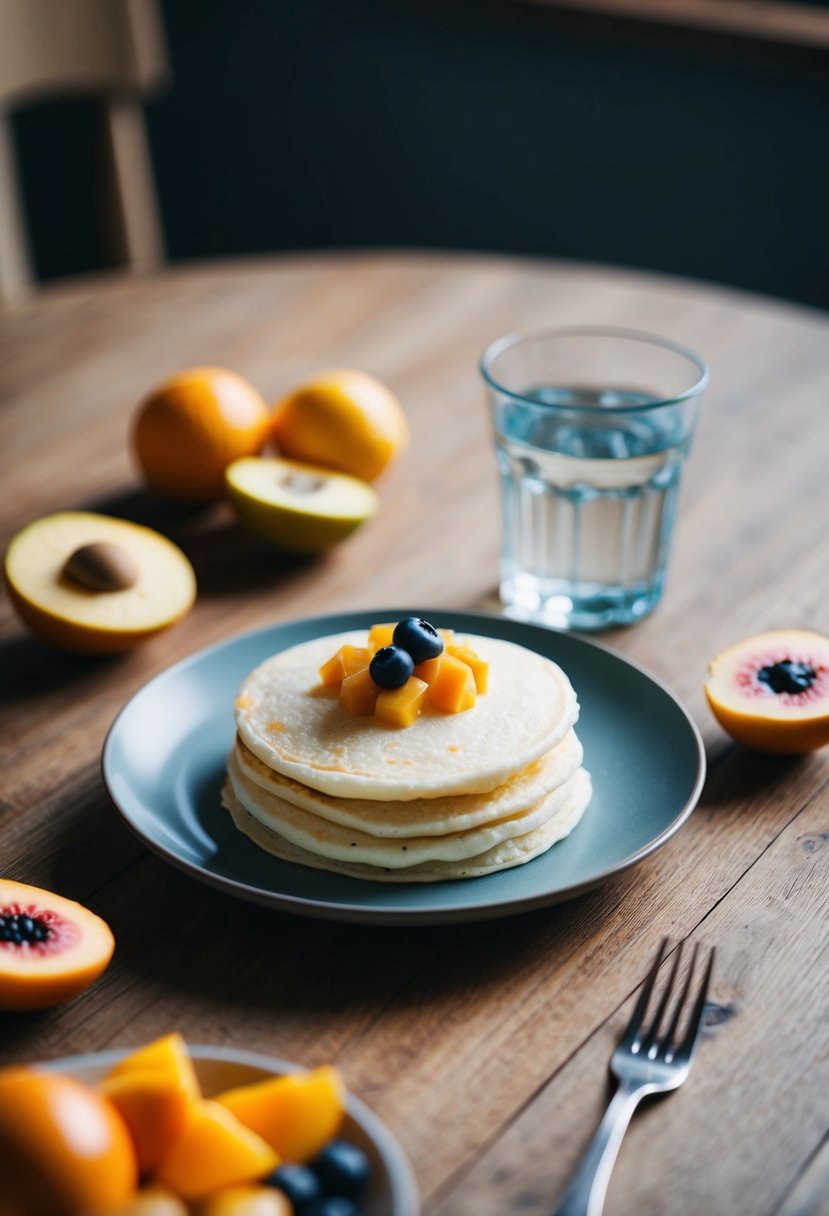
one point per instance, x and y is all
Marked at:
(393, 1190)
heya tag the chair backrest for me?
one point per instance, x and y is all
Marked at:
(110, 48)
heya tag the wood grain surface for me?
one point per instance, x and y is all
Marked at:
(484, 1046)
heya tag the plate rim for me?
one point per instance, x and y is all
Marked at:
(358, 913)
(402, 1181)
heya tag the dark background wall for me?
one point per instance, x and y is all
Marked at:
(488, 125)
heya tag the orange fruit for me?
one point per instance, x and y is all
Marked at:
(344, 420)
(63, 1147)
(771, 692)
(191, 427)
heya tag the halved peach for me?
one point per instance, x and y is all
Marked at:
(771, 692)
(296, 1114)
(51, 948)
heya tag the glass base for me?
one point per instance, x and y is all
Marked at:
(586, 607)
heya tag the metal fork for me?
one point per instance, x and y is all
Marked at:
(646, 1061)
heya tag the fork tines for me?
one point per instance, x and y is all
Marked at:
(647, 1039)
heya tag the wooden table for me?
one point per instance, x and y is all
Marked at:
(484, 1046)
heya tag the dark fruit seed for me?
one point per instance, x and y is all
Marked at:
(19, 929)
(297, 1183)
(332, 1205)
(391, 667)
(420, 638)
(343, 1169)
(787, 676)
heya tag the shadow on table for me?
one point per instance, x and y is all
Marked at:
(737, 775)
(227, 559)
(30, 669)
(192, 941)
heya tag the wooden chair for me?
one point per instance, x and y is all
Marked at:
(110, 48)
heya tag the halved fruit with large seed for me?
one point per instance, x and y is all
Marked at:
(771, 692)
(299, 508)
(50, 948)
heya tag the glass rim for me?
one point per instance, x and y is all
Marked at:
(509, 340)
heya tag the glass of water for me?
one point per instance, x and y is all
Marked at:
(592, 427)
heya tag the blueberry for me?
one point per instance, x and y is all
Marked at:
(420, 638)
(297, 1183)
(391, 667)
(332, 1205)
(343, 1169)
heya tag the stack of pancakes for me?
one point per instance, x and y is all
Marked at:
(451, 796)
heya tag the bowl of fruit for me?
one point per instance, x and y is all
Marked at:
(177, 1130)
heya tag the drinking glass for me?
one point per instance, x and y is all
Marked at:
(592, 427)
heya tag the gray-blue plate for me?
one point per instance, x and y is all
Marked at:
(164, 758)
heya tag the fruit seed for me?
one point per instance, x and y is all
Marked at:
(102, 566)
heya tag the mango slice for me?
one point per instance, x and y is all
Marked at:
(478, 666)
(167, 1056)
(359, 693)
(400, 706)
(453, 690)
(154, 1107)
(297, 1115)
(214, 1150)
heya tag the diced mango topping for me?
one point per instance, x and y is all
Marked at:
(400, 706)
(450, 683)
(428, 669)
(346, 662)
(359, 693)
(478, 666)
(381, 635)
(454, 688)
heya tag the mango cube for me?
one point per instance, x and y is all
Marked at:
(454, 687)
(381, 635)
(448, 636)
(347, 661)
(359, 693)
(428, 669)
(479, 666)
(400, 706)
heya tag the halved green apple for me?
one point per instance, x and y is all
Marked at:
(298, 507)
(95, 584)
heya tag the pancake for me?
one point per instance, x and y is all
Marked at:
(301, 731)
(423, 816)
(322, 836)
(508, 853)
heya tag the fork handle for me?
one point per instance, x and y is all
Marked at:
(588, 1186)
